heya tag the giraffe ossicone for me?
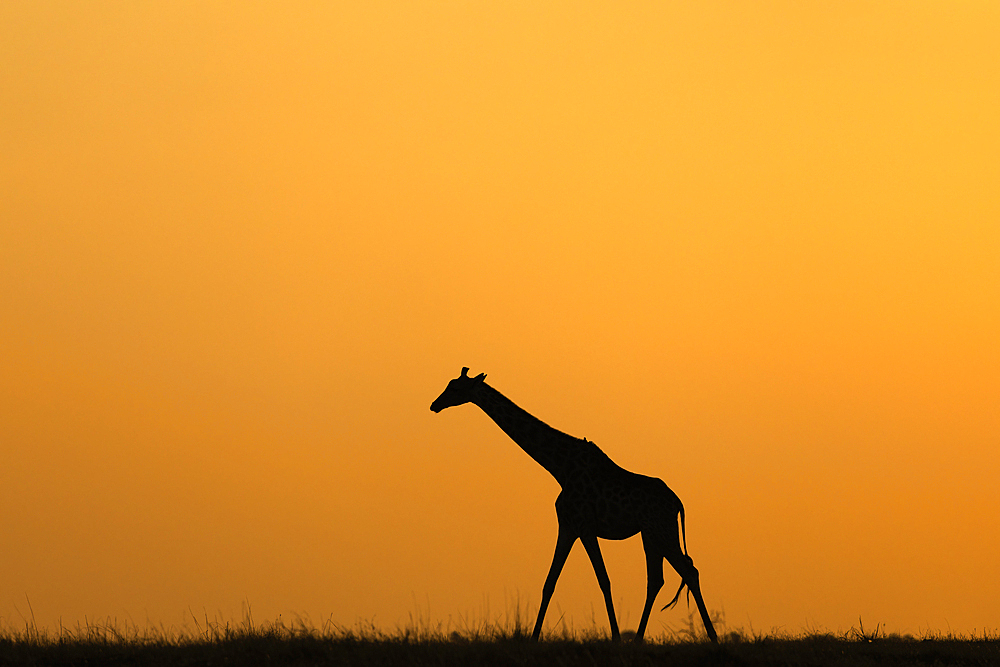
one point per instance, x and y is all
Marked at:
(599, 499)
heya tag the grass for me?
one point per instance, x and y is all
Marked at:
(470, 642)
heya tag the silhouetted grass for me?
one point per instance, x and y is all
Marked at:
(465, 642)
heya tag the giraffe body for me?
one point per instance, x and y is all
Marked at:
(599, 499)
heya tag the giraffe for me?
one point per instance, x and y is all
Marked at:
(598, 499)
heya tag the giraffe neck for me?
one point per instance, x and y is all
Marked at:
(554, 450)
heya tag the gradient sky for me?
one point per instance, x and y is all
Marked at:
(752, 249)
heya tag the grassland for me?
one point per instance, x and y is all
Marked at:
(498, 643)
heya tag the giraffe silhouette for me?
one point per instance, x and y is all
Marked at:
(598, 499)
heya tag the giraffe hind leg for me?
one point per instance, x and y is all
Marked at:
(654, 581)
(689, 577)
(675, 555)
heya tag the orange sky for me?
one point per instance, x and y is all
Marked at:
(751, 249)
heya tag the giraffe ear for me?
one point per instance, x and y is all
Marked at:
(465, 372)
(480, 377)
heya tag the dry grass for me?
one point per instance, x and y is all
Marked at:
(473, 641)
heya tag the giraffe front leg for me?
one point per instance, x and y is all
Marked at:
(564, 543)
(594, 551)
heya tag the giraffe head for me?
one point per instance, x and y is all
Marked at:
(459, 391)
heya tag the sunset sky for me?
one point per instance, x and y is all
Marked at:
(752, 249)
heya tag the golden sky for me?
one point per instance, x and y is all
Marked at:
(752, 249)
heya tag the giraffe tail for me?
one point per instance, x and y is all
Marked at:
(684, 532)
(677, 595)
(684, 539)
